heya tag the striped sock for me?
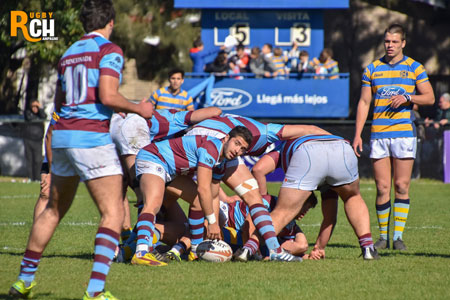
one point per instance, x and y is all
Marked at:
(29, 265)
(196, 227)
(106, 242)
(145, 229)
(383, 215)
(401, 209)
(365, 240)
(263, 222)
(252, 245)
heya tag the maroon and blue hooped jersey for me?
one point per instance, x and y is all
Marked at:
(166, 123)
(182, 156)
(263, 134)
(84, 120)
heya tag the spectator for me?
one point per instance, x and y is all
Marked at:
(173, 96)
(267, 50)
(293, 57)
(304, 65)
(198, 55)
(239, 62)
(219, 67)
(280, 60)
(326, 64)
(33, 135)
(443, 113)
(259, 64)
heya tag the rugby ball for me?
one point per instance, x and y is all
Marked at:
(214, 251)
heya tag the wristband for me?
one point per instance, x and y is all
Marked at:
(407, 97)
(211, 219)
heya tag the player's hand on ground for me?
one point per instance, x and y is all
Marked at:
(213, 231)
(145, 109)
(317, 253)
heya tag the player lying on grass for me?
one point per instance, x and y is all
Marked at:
(238, 230)
(160, 162)
(236, 175)
(312, 161)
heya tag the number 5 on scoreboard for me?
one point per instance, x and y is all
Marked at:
(301, 34)
(241, 31)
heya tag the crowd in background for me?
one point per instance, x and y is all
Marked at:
(266, 62)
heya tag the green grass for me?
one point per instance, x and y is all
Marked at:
(422, 272)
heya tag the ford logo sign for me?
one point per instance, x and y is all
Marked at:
(230, 98)
(389, 91)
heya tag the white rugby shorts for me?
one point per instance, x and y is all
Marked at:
(88, 163)
(129, 134)
(317, 162)
(404, 147)
(150, 167)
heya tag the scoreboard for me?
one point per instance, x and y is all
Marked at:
(257, 22)
(280, 28)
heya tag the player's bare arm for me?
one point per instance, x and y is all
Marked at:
(264, 166)
(361, 118)
(205, 113)
(424, 97)
(296, 131)
(204, 180)
(110, 96)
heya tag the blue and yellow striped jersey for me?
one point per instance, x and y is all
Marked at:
(280, 64)
(388, 80)
(331, 67)
(163, 99)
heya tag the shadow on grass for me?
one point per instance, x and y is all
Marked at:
(36, 296)
(337, 245)
(88, 256)
(418, 254)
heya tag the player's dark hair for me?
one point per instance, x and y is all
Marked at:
(175, 71)
(242, 132)
(96, 14)
(396, 28)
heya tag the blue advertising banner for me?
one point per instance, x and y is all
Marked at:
(252, 4)
(272, 98)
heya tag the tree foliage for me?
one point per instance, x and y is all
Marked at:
(135, 20)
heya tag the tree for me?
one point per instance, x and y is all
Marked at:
(68, 29)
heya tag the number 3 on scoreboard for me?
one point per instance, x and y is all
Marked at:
(241, 31)
(301, 34)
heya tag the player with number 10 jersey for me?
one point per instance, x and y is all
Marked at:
(79, 71)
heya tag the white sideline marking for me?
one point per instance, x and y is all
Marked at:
(89, 223)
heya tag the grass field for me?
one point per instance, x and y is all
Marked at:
(422, 272)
